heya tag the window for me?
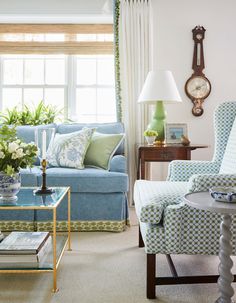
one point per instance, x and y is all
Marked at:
(80, 81)
(28, 79)
(95, 84)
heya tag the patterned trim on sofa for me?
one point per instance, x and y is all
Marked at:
(114, 226)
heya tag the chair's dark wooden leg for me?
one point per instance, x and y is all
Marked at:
(172, 266)
(140, 238)
(151, 276)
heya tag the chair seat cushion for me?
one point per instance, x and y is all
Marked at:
(152, 197)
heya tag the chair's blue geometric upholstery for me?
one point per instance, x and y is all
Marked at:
(181, 170)
(228, 164)
(224, 117)
(153, 197)
(170, 226)
(202, 182)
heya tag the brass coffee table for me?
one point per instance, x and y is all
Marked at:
(28, 201)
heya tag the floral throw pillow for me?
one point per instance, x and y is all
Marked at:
(68, 150)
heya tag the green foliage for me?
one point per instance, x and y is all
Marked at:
(150, 133)
(42, 114)
(14, 153)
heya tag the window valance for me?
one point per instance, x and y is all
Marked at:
(56, 39)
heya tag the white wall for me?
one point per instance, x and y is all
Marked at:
(173, 22)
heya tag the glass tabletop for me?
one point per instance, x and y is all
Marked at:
(27, 199)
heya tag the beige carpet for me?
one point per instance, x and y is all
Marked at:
(108, 268)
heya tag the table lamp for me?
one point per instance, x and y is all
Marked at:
(159, 87)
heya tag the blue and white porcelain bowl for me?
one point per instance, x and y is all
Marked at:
(223, 194)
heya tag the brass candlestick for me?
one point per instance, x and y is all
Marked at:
(44, 190)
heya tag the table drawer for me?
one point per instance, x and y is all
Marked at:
(164, 155)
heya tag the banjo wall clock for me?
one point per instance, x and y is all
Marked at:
(198, 87)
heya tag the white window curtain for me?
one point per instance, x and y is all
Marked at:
(135, 60)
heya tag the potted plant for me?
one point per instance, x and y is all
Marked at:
(41, 114)
(150, 136)
(14, 155)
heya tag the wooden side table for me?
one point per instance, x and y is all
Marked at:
(162, 153)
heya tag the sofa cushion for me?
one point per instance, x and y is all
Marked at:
(27, 132)
(101, 149)
(68, 150)
(228, 165)
(105, 128)
(118, 164)
(87, 180)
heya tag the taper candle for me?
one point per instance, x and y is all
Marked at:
(44, 144)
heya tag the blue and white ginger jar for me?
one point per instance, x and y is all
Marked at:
(9, 186)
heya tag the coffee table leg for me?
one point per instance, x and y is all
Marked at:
(226, 263)
(55, 289)
(69, 221)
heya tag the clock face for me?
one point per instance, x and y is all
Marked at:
(199, 36)
(198, 87)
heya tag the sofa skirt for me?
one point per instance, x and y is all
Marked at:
(89, 212)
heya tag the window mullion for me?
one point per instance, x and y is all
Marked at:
(96, 90)
(44, 78)
(22, 86)
(66, 90)
(71, 81)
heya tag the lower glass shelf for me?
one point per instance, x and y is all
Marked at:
(45, 264)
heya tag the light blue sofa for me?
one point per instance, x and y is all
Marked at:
(98, 197)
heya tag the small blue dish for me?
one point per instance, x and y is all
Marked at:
(223, 194)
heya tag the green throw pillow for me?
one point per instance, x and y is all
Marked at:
(101, 149)
(68, 150)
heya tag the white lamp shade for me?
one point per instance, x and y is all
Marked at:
(159, 86)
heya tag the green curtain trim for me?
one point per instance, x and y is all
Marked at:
(114, 226)
(116, 14)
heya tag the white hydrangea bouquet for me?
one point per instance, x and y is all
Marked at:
(14, 153)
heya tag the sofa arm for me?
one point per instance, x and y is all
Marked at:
(182, 170)
(206, 181)
(118, 164)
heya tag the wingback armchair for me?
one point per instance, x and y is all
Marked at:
(167, 224)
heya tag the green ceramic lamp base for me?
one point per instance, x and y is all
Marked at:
(158, 121)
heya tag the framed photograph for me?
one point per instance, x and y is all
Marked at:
(174, 131)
